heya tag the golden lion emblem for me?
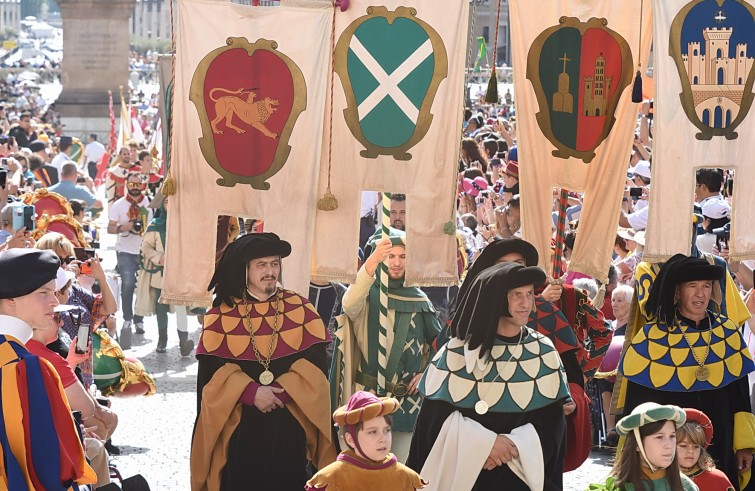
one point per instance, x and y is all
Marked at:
(251, 112)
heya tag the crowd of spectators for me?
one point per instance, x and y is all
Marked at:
(36, 162)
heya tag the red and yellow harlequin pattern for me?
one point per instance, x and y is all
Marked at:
(226, 330)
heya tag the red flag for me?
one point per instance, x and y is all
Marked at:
(104, 163)
(113, 137)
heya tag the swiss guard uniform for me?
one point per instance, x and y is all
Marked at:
(673, 360)
(245, 343)
(40, 447)
(516, 387)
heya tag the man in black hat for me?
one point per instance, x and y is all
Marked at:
(565, 316)
(37, 419)
(493, 413)
(691, 355)
(262, 389)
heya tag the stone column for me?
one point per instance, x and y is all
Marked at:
(95, 60)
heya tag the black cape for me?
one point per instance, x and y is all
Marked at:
(549, 422)
(267, 450)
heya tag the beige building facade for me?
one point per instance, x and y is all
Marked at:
(10, 15)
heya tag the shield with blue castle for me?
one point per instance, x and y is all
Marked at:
(390, 64)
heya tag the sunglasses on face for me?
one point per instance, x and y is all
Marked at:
(135, 185)
(67, 260)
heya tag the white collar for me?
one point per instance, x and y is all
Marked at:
(13, 326)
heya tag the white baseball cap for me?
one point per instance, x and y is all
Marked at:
(716, 208)
(641, 169)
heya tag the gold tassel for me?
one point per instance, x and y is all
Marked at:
(491, 95)
(328, 202)
(169, 185)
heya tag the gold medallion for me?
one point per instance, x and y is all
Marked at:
(481, 407)
(702, 374)
(267, 377)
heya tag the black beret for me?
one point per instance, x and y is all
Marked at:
(678, 269)
(24, 270)
(229, 279)
(37, 146)
(66, 140)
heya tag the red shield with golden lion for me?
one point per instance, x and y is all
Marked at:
(248, 97)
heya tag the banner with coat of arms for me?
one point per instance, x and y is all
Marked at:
(574, 65)
(704, 69)
(249, 92)
(396, 122)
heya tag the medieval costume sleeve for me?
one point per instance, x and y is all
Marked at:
(530, 390)
(593, 331)
(110, 186)
(659, 366)
(712, 480)
(284, 439)
(40, 447)
(550, 321)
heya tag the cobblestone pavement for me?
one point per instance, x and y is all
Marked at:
(154, 433)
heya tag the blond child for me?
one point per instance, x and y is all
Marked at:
(692, 439)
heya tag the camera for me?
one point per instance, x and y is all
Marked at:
(722, 236)
(138, 225)
(723, 232)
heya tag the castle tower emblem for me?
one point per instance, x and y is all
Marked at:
(579, 71)
(714, 64)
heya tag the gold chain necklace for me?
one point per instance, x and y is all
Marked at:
(266, 377)
(481, 407)
(702, 373)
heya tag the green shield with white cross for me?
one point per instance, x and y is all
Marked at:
(390, 64)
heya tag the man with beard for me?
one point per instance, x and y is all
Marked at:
(398, 211)
(493, 414)
(262, 393)
(115, 182)
(129, 217)
(411, 328)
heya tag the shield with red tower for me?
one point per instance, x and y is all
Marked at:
(579, 71)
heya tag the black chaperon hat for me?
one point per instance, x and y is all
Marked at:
(485, 301)
(229, 279)
(492, 253)
(24, 270)
(678, 269)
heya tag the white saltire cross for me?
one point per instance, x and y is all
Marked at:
(388, 84)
